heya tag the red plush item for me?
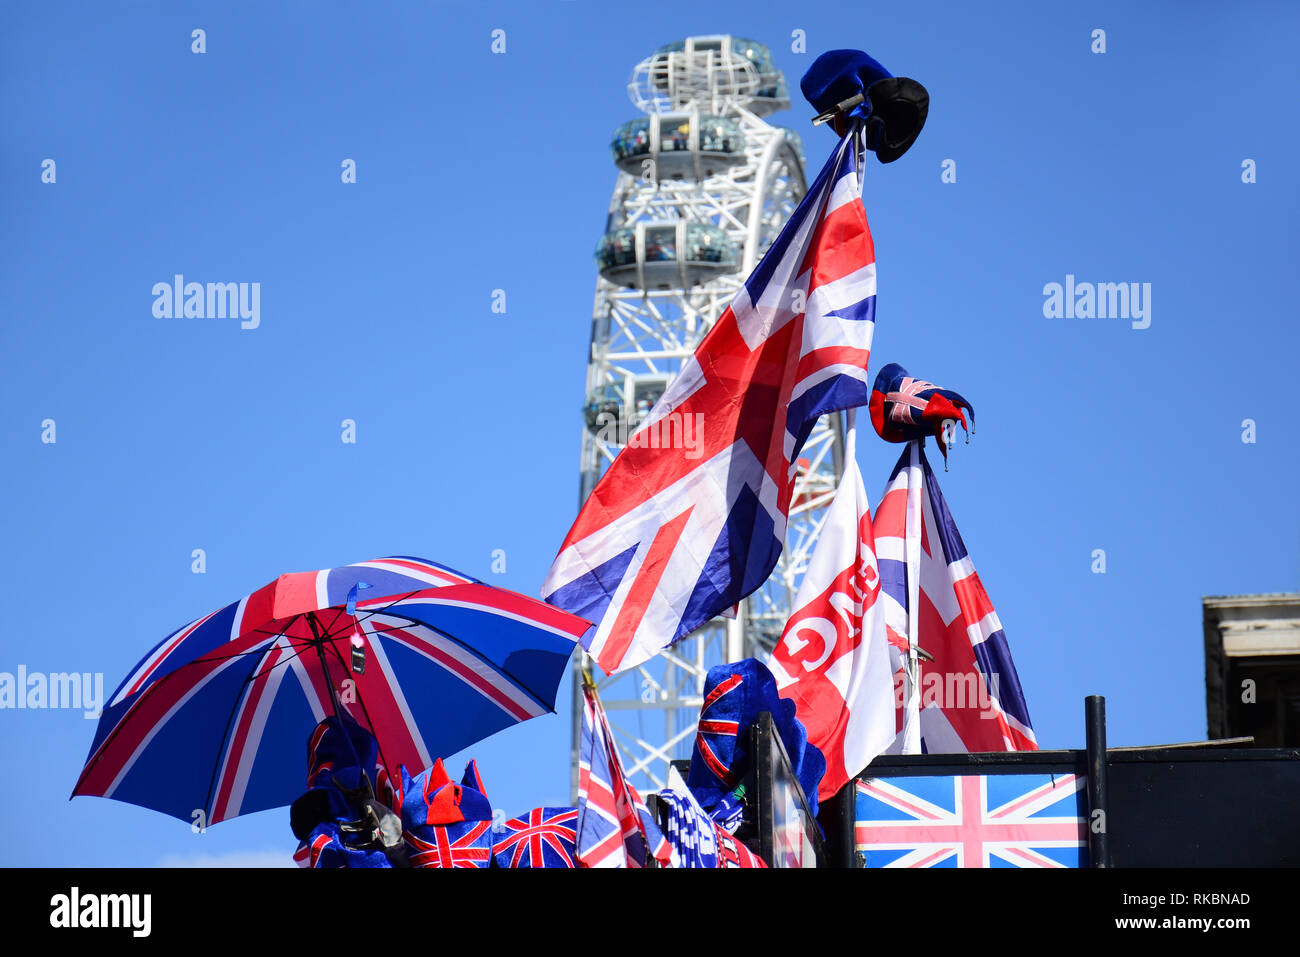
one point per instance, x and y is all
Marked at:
(734, 853)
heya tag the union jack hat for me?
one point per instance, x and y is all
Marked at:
(904, 408)
(343, 769)
(446, 824)
(432, 798)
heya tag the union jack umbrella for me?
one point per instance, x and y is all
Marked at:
(213, 721)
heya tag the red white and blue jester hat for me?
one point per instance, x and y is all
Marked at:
(904, 407)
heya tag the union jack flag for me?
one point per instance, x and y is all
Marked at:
(671, 537)
(452, 845)
(614, 827)
(968, 698)
(544, 837)
(996, 820)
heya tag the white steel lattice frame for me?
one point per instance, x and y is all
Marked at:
(640, 333)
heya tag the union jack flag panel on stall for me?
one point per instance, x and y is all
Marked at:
(614, 827)
(544, 837)
(672, 536)
(970, 697)
(995, 820)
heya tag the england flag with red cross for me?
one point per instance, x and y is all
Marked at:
(833, 660)
(671, 537)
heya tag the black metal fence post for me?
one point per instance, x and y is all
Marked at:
(1094, 708)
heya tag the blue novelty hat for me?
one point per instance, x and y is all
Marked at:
(849, 83)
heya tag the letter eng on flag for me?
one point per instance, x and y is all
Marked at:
(833, 659)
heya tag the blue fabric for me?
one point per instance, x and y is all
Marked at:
(734, 695)
(837, 75)
(343, 769)
(690, 832)
(325, 847)
(431, 798)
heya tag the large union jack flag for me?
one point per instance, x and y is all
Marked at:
(544, 837)
(968, 697)
(995, 820)
(671, 537)
(614, 827)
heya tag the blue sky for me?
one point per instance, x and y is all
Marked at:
(478, 171)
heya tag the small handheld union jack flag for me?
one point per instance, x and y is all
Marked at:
(966, 695)
(614, 827)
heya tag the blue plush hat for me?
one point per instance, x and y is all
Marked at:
(343, 767)
(446, 824)
(327, 846)
(734, 694)
(344, 776)
(432, 798)
(849, 83)
(905, 408)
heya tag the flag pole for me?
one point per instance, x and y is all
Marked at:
(912, 706)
